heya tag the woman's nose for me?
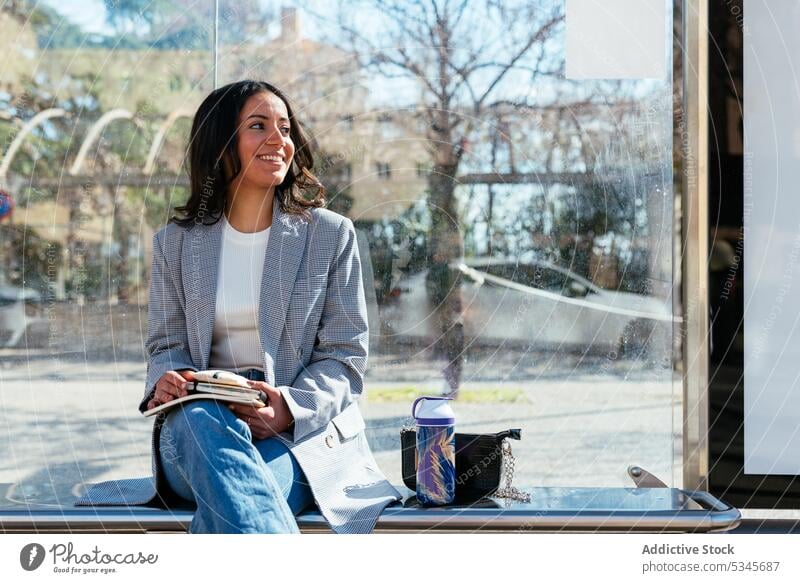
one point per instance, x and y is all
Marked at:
(274, 137)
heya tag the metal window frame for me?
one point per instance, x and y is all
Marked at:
(691, 126)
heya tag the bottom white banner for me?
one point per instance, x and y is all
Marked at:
(431, 557)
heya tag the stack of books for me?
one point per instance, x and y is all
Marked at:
(220, 385)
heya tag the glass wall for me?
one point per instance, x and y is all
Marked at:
(515, 224)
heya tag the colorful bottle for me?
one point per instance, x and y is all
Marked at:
(436, 450)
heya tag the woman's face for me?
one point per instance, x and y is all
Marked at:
(263, 144)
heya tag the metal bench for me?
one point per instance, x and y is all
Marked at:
(550, 510)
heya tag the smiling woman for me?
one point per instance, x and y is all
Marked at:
(271, 290)
(246, 137)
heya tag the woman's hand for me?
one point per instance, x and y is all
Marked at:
(265, 421)
(171, 385)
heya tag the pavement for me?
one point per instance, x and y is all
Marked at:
(66, 421)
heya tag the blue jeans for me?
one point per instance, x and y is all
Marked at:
(239, 485)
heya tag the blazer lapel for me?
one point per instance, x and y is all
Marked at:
(285, 249)
(202, 258)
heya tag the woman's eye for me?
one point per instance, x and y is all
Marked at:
(260, 126)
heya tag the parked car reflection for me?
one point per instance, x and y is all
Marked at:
(536, 304)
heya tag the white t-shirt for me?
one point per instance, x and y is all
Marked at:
(235, 343)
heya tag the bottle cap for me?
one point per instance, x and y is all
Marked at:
(433, 411)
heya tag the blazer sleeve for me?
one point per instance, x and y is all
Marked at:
(334, 376)
(167, 344)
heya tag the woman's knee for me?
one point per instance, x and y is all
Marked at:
(198, 417)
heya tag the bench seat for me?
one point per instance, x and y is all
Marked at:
(550, 510)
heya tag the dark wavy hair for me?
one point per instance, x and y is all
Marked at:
(213, 162)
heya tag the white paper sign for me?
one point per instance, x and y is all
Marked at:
(772, 237)
(616, 39)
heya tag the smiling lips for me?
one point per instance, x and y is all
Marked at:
(271, 158)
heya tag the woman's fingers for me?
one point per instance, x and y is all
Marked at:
(258, 384)
(186, 374)
(272, 392)
(171, 386)
(267, 388)
(258, 419)
(178, 382)
(273, 395)
(245, 411)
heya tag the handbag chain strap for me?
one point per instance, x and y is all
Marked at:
(508, 490)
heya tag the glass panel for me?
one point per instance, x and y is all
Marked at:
(515, 227)
(93, 126)
(518, 225)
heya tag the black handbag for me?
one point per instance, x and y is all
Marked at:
(482, 459)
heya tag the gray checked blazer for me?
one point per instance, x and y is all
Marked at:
(314, 335)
